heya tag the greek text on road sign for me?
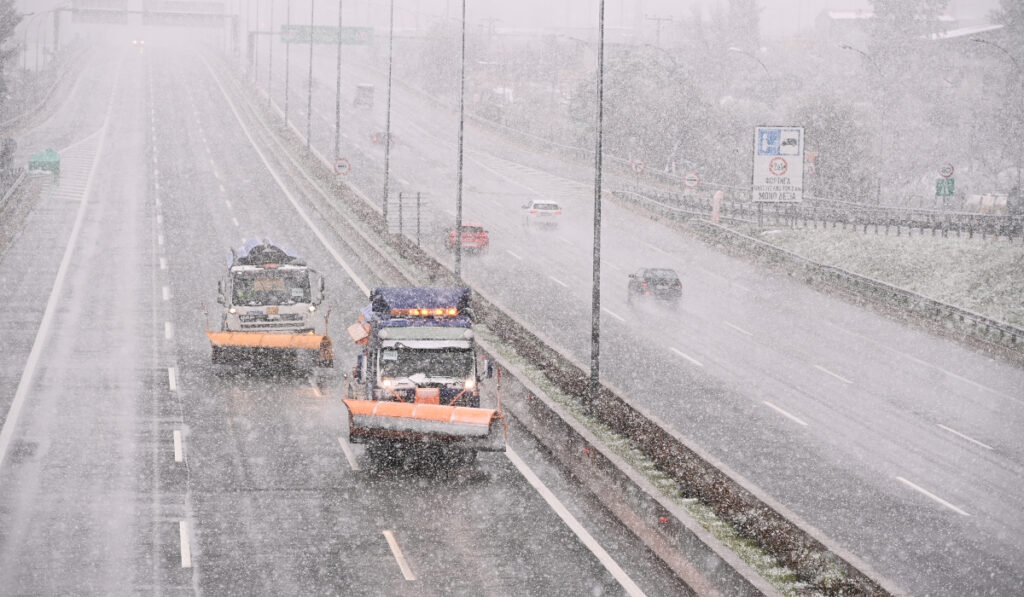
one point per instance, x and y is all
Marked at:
(944, 187)
(778, 164)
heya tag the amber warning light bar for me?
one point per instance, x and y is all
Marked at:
(425, 312)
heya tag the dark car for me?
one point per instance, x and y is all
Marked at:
(660, 283)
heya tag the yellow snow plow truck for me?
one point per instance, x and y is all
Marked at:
(417, 380)
(270, 309)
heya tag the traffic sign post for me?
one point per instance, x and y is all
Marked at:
(944, 187)
(778, 164)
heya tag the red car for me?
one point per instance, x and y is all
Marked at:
(474, 237)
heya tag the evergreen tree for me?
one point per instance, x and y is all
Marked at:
(9, 19)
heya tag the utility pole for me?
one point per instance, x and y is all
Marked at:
(659, 21)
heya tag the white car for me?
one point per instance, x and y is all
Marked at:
(542, 213)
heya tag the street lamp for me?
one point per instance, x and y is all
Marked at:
(881, 119)
(595, 313)
(1020, 113)
(746, 53)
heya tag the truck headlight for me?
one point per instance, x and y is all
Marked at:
(312, 308)
(387, 383)
(232, 310)
(470, 383)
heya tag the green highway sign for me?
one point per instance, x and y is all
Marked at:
(944, 187)
(325, 34)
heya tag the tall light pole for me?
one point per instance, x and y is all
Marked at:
(1020, 108)
(462, 120)
(270, 58)
(309, 96)
(287, 57)
(881, 118)
(595, 313)
(387, 117)
(337, 90)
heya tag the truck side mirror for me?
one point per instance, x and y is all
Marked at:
(357, 372)
(322, 286)
(220, 299)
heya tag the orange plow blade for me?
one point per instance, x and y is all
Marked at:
(321, 345)
(478, 428)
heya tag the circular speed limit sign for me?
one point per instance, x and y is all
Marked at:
(342, 166)
(946, 171)
(692, 180)
(638, 167)
(778, 166)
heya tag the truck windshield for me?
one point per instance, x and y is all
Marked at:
(271, 287)
(403, 362)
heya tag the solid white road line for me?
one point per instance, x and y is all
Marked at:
(514, 255)
(557, 281)
(613, 314)
(56, 294)
(168, 330)
(566, 241)
(393, 544)
(933, 496)
(784, 413)
(657, 248)
(570, 521)
(186, 549)
(163, 263)
(835, 375)
(348, 454)
(686, 356)
(167, 293)
(178, 456)
(172, 379)
(291, 198)
(970, 439)
(737, 328)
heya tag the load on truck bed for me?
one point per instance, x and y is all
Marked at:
(270, 308)
(417, 378)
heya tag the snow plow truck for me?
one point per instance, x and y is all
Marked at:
(271, 309)
(417, 379)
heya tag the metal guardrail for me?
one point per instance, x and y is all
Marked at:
(972, 324)
(815, 211)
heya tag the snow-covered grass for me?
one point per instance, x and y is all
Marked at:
(984, 276)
